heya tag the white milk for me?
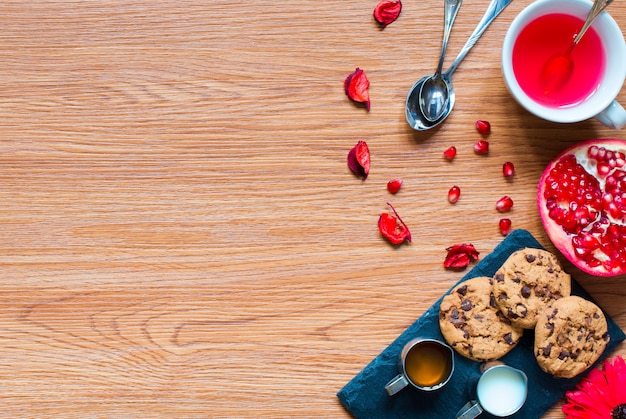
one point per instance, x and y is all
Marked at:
(501, 391)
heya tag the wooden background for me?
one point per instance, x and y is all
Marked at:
(180, 235)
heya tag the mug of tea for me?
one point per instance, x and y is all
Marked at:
(536, 51)
(425, 364)
(501, 391)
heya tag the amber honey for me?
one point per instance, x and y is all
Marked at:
(428, 364)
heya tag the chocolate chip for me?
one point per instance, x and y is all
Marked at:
(454, 314)
(499, 277)
(478, 317)
(466, 305)
(563, 355)
(503, 296)
(530, 258)
(540, 291)
(547, 349)
(522, 310)
(596, 315)
(510, 314)
(525, 291)
(492, 301)
(466, 334)
(550, 328)
(517, 279)
(550, 270)
(508, 338)
(462, 290)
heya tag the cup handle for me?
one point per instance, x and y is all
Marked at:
(396, 384)
(471, 410)
(614, 116)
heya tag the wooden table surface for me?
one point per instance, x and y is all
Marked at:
(180, 233)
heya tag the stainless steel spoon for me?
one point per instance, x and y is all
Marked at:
(433, 93)
(413, 112)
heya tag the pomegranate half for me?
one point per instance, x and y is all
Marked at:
(582, 204)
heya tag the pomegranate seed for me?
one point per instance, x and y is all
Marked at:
(483, 127)
(481, 147)
(450, 153)
(505, 226)
(508, 169)
(454, 194)
(504, 204)
(394, 185)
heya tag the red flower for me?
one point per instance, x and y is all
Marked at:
(601, 394)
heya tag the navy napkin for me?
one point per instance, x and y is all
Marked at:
(365, 396)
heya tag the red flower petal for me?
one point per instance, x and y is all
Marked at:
(392, 228)
(598, 393)
(387, 11)
(356, 86)
(460, 255)
(359, 159)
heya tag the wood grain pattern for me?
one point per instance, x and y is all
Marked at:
(181, 236)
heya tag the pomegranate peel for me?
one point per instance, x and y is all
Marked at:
(581, 199)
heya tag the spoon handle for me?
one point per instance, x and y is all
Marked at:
(596, 9)
(451, 8)
(494, 9)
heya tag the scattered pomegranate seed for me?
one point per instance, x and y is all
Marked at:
(450, 153)
(394, 185)
(505, 226)
(454, 194)
(387, 11)
(483, 127)
(481, 147)
(508, 169)
(460, 255)
(504, 204)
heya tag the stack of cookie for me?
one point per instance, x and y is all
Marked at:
(483, 318)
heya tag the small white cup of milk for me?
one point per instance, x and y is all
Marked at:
(501, 391)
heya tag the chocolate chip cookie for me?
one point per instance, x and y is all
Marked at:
(527, 283)
(472, 324)
(570, 336)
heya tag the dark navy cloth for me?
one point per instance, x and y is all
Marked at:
(365, 396)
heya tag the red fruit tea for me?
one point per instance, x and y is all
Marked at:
(553, 34)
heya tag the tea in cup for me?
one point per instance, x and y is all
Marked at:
(501, 391)
(425, 364)
(546, 28)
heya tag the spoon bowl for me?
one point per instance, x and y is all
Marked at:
(414, 113)
(433, 93)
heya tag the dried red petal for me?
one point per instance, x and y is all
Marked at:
(387, 11)
(359, 159)
(460, 255)
(356, 86)
(394, 185)
(393, 228)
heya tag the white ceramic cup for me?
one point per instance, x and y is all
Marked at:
(501, 391)
(601, 104)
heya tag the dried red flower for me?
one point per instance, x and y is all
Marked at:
(356, 86)
(393, 228)
(387, 11)
(359, 159)
(601, 394)
(394, 185)
(460, 255)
